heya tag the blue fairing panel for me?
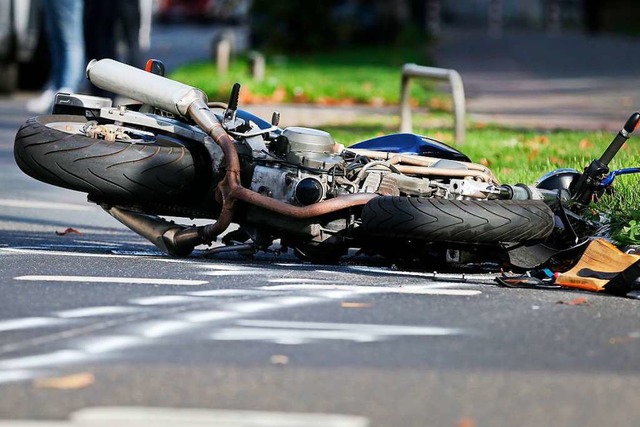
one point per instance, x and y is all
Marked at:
(245, 115)
(408, 143)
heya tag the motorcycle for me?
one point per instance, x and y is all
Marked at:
(401, 196)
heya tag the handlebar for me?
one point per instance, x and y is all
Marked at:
(590, 180)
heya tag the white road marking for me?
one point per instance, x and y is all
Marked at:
(227, 293)
(383, 329)
(207, 316)
(107, 344)
(28, 323)
(294, 333)
(147, 256)
(95, 311)
(46, 359)
(229, 267)
(299, 280)
(32, 204)
(142, 416)
(122, 280)
(271, 304)
(436, 289)
(16, 375)
(164, 300)
(231, 273)
(161, 328)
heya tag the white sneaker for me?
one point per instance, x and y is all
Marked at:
(43, 103)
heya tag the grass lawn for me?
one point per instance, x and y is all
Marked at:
(359, 76)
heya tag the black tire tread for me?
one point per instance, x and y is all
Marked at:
(470, 221)
(116, 171)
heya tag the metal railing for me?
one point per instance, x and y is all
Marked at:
(410, 71)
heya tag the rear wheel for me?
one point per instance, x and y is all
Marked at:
(468, 221)
(145, 168)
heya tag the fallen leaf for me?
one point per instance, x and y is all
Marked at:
(577, 301)
(622, 340)
(556, 160)
(584, 144)
(279, 94)
(70, 382)
(346, 304)
(485, 162)
(466, 422)
(68, 231)
(279, 359)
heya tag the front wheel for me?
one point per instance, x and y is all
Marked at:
(466, 221)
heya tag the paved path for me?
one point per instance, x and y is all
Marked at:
(545, 81)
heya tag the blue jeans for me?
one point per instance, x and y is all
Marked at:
(64, 25)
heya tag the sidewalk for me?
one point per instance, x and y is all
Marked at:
(545, 81)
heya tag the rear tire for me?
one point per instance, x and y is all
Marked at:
(161, 171)
(469, 221)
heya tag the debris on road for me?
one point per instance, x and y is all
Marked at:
(68, 231)
(577, 301)
(69, 382)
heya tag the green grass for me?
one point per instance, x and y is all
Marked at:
(357, 76)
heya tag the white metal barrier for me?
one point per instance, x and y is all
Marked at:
(410, 71)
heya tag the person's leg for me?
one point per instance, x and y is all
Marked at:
(129, 16)
(68, 19)
(43, 103)
(53, 38)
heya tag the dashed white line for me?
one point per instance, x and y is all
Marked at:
(205, 316)
(164, 300)
(95, 311)
(32, 204)
(16, 375)
(147, 256)
(436, 289)
(28, 323)
(161, 328)
(293, 333)
(121, 280)
(45, 359)
(106, 344)
(209, 417)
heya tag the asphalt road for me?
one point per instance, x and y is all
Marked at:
(99, 326)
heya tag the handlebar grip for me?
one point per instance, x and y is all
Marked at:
(632, 122)
(142, 86)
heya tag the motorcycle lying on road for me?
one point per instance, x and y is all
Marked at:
(401, 196)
